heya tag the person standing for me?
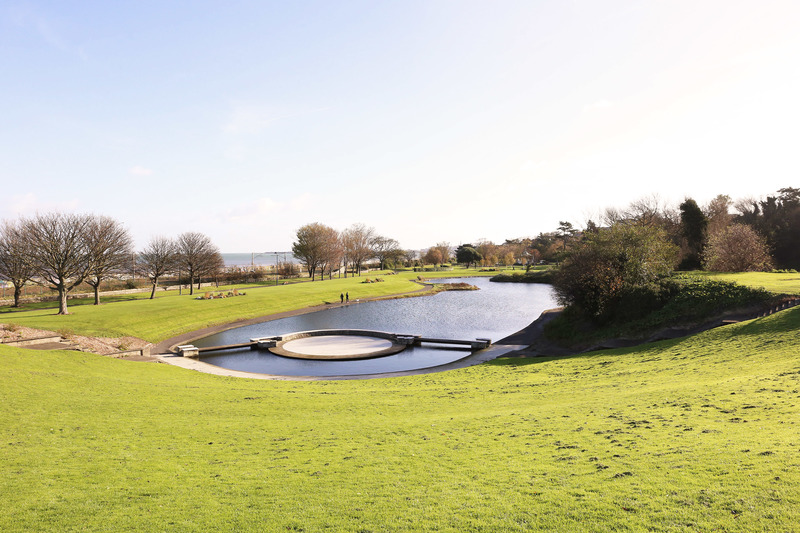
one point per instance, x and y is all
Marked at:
(341, 297)
(347, 296)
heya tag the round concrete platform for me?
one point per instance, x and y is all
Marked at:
(337, 345)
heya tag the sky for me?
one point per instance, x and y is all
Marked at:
(428, 120)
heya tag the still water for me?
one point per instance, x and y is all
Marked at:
(495, 311)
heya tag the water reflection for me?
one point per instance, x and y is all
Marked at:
(495, 311)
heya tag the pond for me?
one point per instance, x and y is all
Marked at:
(495, 311)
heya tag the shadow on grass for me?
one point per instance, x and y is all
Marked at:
(781, 322)
(775, 325)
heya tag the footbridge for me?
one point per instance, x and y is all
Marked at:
(337, 344)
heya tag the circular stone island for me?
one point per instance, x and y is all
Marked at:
(337, 345)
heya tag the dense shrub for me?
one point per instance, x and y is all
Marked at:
(697, 298)
(670, 301)
(613, 265)
(532, 276)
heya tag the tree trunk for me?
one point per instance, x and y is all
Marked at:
(153, 292)
(97, 294)
(62, 301)
(17, 292)
(191, 284)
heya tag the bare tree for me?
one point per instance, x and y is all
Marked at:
(157, 259)
(409, 256)
(286, 269)
(212, 265)
(332, 251)
(194, 251)
(445, 250)
(56, 246)
(718, 213)
(357, 240)
(13, 266)
(310, 247)
(386, 249)
(611, 215)
(110, 247)
(737, 248)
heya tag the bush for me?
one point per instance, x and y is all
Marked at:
(737, 248)
(614, 265)
(535, 276)
(670, 301)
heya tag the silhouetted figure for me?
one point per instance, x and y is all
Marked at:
(341, 297)
(347, 296)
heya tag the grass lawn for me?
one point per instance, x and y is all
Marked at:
(779, 283)
(698, 434)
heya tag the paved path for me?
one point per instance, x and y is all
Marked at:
(481, 356)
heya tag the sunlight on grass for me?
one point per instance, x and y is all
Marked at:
(696, 434)
(779, 283)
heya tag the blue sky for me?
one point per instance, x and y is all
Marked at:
(429, 120)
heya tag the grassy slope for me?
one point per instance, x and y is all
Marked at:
(696, 434)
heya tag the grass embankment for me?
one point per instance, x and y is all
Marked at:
(170, 314)
(699, 434)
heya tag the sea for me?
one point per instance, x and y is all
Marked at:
(256, 258)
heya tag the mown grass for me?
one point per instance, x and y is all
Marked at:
(699, 434)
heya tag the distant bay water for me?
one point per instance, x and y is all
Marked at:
(248, 259)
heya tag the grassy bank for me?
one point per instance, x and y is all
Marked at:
(696, 434)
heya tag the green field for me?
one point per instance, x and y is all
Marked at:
(697, 434)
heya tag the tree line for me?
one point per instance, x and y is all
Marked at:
(61, 251)
(723, 235)
(323, 250)
(625, 261)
